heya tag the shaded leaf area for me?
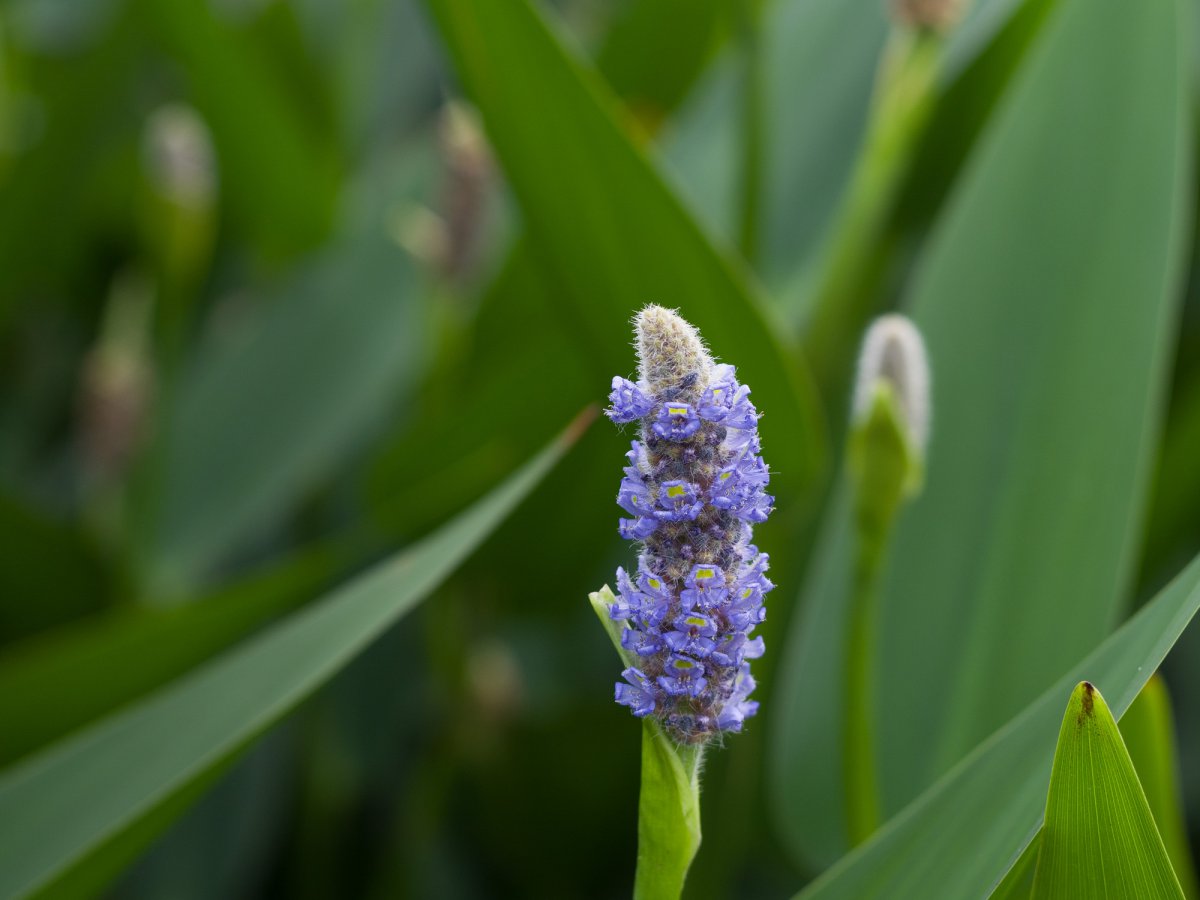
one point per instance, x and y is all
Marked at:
(940, 845)
(88, 804)
(1046, 302)
(1099, 837)
(618, 238)
(1148, 728)
(272, 403)
(60, 681)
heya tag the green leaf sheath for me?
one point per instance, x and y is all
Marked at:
(1099, 838)
(941, 845)
(70, 810)
(668, 815)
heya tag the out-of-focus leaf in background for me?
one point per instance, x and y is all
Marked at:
(617, 238)
(1049, 338)
(73, 817)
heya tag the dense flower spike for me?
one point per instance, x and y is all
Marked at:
(694, 486)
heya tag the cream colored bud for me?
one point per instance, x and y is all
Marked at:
(671, 355)
(894, 352)
(179, 155)
(928, 15)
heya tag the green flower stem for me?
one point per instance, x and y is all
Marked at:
(860, 772)
(752, 130)
(669, 802)
(844, 292)
(668, 815)
(884, 470)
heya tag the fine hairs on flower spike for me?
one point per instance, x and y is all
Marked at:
(693, 488)
(894, 353)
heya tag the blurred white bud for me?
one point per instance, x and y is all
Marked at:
(893, 353)
(929, 15)
(179, 156)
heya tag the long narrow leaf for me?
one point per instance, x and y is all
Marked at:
(87, 804)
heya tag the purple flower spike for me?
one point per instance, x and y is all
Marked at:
(676, 422)
(695, 485)
(638, 694)
(626, 401)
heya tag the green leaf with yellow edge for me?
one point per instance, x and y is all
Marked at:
(76, 813)
(1099, 839)
(1149, 731)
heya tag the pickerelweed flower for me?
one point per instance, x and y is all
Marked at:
(693, 488)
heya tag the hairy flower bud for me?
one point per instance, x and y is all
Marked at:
(894, 353)
(694, 486)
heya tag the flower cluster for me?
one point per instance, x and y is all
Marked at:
(693, 488)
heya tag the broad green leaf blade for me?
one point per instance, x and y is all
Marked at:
(59, 682)
(1099, 838)
(603, 221)
(940, 845)
(1149, 731)
(1046, 299)
(73, 809)
(266, 412)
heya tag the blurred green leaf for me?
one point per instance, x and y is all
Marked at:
(819, 60)
(267, 411)
(1018, 883)
(49, 572)
(603, 221)
(80, 802)
(960, 837)
(654, 49)
(1149, 731)
(1099, 838)
(1046, 304)
(62, 680)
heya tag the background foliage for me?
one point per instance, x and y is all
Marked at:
(300, 299)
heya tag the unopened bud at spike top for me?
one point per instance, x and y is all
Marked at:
(893, 352)
(694, 487)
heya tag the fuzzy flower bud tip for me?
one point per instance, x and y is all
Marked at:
(694, 487)
(894, 353)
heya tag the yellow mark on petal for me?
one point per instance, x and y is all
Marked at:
(676, 490)
(705, 573)
(677, 410)
(696, 620)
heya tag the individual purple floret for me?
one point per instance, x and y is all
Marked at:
(694, 486)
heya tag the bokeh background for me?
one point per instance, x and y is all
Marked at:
(268, 313)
